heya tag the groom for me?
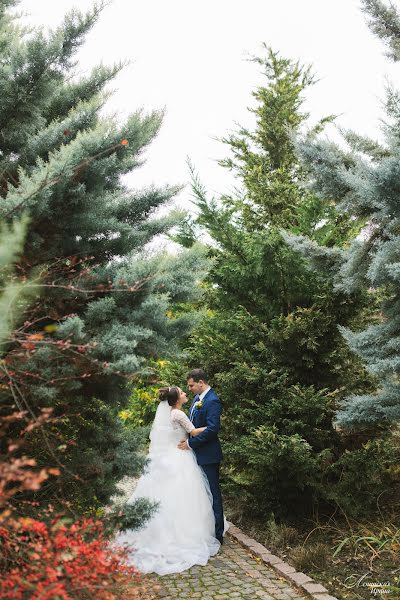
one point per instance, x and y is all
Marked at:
(206, 412)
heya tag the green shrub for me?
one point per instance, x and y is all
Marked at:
(144, 399)
(357, 480)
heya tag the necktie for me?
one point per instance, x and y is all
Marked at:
(194, 407)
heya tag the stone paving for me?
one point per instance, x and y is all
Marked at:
(232, 573)
(241, 569)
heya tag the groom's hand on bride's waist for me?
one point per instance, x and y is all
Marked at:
(183, 445)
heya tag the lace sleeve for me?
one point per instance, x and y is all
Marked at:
(178, 416)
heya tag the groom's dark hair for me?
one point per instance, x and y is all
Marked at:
(197, 375)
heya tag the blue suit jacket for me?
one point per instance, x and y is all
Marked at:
(206, 445)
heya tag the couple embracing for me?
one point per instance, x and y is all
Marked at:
(182, 476)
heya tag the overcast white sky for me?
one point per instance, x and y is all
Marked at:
(189, 56)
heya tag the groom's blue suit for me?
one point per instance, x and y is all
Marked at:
(208, 449)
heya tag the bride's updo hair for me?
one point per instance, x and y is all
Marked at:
(169, 394)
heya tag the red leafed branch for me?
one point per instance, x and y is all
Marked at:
(19, 473)
(50, 556)
(66, 560)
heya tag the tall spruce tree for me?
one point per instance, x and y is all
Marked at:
(103, 307)
(270, 339)
(363, 181)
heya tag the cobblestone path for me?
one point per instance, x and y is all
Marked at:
(233, 573)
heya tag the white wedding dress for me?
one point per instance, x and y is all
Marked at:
(181, 533)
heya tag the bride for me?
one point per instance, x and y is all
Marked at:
(182, 531)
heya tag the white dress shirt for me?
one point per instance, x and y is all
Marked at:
(201, 397)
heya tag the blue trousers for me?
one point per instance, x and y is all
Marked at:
(212, 473)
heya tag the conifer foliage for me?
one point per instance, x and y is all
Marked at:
(363, 181)
(270, 340)
(102, 301)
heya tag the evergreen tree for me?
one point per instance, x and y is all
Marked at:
(104, 299)
(270, 340)
(16, 294)
(363, 182)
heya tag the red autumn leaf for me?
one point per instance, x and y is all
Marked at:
(13, 447)
(54, 471)
(35, 336)
(28, 346)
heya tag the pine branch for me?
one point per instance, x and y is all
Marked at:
(384, 22)
(77, 172)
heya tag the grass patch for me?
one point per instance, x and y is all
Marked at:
(352, 558)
